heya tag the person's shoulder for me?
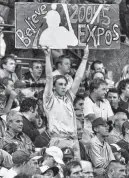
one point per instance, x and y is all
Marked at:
(88, 100)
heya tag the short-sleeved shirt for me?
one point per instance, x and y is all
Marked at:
(60, 114)
(90, 107)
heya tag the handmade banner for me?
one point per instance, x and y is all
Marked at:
(62, 26)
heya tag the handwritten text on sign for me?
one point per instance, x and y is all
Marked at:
(67, 26)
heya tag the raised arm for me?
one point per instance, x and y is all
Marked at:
(80, 72)
(49, 77)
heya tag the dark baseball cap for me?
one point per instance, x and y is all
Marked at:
(68, 152)
(97, 122)
(20, 156)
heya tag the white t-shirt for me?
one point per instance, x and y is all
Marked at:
(10, 174)
(90, 107)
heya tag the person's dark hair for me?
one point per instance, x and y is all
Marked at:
(27, 104)
(93, 74)
(121, 86)
(23, 176)
(60, 60)
(10, 148)
(72, 164)
(112, 90)
(66, 172)
(5, 59)
(78, 98)
(94, 84)
(93, 64)
(57, 77)
(32, 63)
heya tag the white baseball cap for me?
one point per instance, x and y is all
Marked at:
(56, 153)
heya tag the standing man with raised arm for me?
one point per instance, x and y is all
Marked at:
(59, 108)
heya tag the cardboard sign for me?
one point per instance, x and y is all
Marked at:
(62, 26)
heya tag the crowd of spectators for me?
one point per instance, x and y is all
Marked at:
(60, 120)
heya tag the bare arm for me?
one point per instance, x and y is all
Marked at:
(49, 77)
(80, 72)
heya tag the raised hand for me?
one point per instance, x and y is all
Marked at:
(86, 52)
(47, 52)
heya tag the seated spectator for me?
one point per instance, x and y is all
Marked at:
(116, 134)
(15, 134)
(8, 65)
(99, 150)
(63, 68)
(115, 169)
(68, 154)
(95, 105)
(87, 169)
(124, 94)
(22, 163)
(34, 77)
(75, 169)
(113, 98)
(29, 110)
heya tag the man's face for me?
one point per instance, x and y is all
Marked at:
(126, 91)
(10, 66)
(37, 69)
(120, 171)
(65, 66)
(99, 68)
(34, 166)
(101, 91)
(113, 99)
(17, 124)
(103, 130)
(34, 113)
(76, 172)
(88, 171)
(60, 87)
(10, 85)
(121, 120)
(80, 104)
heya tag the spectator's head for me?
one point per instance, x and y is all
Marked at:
(123, 88)
(87, 169)
(98, 87)
(79, 102)
(63, 64)
(68, 154)
(15, 121)
(25, 163)
(30, 107)
(75, 169)
(119, 119)
(79, 129)
(49, 172)
(8, 63)
(116, 169)
(125, 129)
(99, 75)
(8, 83)
(53, 155)
(60, 84)
(10, 147)
(100, 127)
(113, 97)
(125, 72)
(97, 66)
(36, 69)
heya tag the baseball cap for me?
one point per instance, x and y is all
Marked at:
(97, 122)
(20, 156)
(46, 168)
(56, 153)
(68, 152)
(115, 148)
